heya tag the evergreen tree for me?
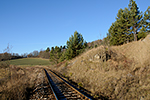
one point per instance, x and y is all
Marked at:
(61, 48)
(52, 48)
(135, 18)
(127, 25)
(113, 34)
(116, 34)
(52, 54)
(63, 56)
(85, 44)
(142, 34)
(55, 54)
(124, 24)
(74, 45)
(119, 31)
(64, 47)
(147, 19)
(48, 49)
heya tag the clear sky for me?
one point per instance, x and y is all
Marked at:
(29, 25)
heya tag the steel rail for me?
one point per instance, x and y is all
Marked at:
(52, 88)
(72, 86)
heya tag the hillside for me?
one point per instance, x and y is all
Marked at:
(117, 72)
(139, 51)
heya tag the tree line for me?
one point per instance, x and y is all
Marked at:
(8, 56)
(74, 46)
(130, 25)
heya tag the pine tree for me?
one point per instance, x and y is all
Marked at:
(113, 34)
(116, 34)
(48, 49)
(119, 31)
(142, 34)
(147, 19)
(127, 25)
(135, 18)
(52, 54)
(64, 47)
(55, 54)
(123, 25)
(74, 45)
(61, 48)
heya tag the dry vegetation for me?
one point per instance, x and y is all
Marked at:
(16, 82)
(125, 75)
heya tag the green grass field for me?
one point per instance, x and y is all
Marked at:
(30, 61)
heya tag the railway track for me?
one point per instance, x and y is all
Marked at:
(62, 90)
(41, 89)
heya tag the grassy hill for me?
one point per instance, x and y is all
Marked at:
(125, 75)
(30, 61)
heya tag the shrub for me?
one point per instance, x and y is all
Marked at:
(95, 46)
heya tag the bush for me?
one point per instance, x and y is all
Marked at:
(95, 46)
(4, 64)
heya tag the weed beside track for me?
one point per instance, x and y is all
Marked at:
(18, 83)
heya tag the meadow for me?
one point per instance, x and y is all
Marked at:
(30, 61)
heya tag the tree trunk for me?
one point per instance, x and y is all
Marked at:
(127, 40)
(135, 36)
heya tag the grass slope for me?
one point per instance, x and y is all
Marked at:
(123, 77)
(30, 61)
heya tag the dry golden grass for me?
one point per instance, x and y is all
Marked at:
(3, 72)
(16, 86)
(139, 51)
(125, 76)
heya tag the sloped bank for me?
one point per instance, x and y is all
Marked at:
(119, 77)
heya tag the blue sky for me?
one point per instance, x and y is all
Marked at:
(29, 25)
